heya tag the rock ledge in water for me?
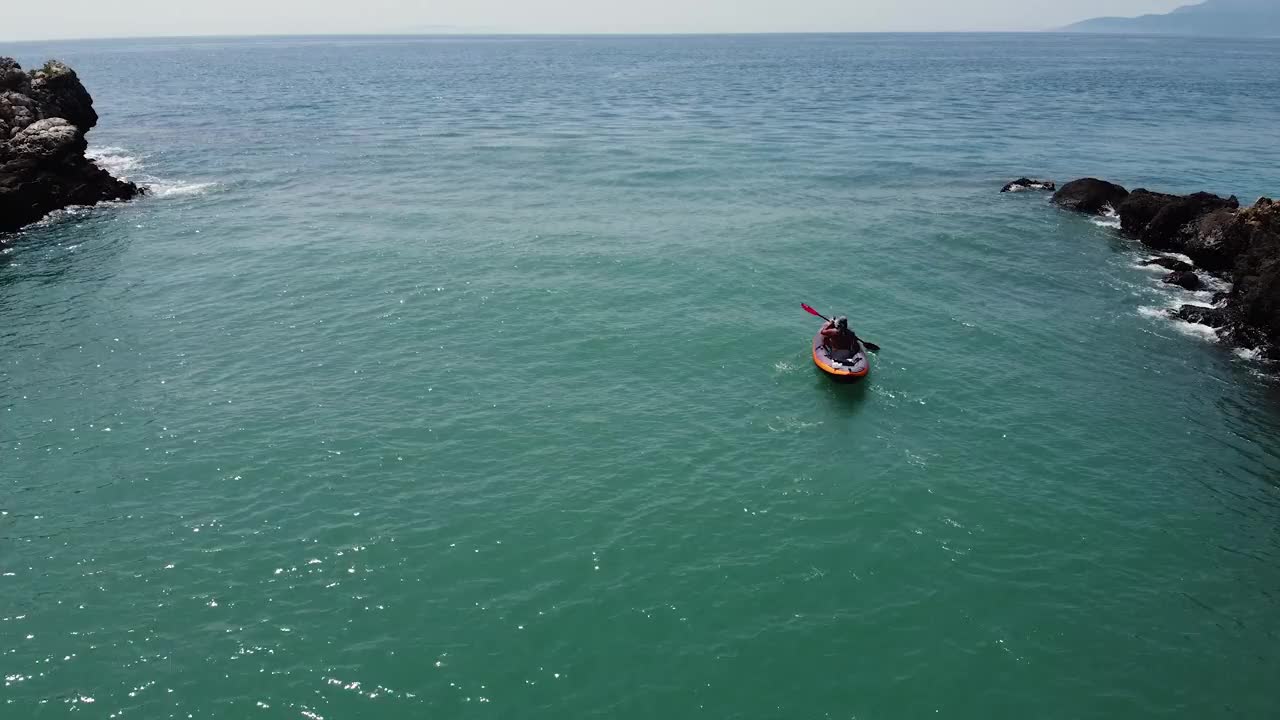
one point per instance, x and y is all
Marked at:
(1090, 195)
(44, 117)
(1240, 245)
(1185, 279)
(1169, 263)
(1024, 184)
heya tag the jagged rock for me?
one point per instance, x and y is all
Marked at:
(1174, 225)
(16, 112)
(44, 117)
(1169, 263)
(48, 140)
(1139, 208)
(1185, 279)
(1024, 184)
(11, 75)
(1210, 240)
(1214, 317)
(1241, 245)
(1090, 195)
(1255, 295)
(58, 92)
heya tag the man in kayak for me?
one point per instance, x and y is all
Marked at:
(837, 335)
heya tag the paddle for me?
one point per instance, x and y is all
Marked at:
(868, 345)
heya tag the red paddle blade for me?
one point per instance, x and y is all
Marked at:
(811, 311)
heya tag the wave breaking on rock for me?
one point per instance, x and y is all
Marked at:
(1219, 238)
(44, 117)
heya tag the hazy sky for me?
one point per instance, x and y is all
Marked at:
(30, 20)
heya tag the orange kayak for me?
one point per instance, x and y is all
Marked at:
(840, 365)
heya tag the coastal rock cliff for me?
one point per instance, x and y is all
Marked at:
(1240, 245)
(44, 116)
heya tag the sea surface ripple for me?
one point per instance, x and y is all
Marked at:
(466, 377)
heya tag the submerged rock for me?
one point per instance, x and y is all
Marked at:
(44, 117)
(1024, 184)
(1185, 279)
(1090, 195)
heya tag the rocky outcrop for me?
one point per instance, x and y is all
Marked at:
(1025, 184)
(1239, 245)
(1254, 300)
(44, 117)
(1090, 195)
(1214, 317)
(1185, 279)
(1138, 209)
(1174, 226)
(1169, 263)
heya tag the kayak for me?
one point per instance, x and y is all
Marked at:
(841, 365)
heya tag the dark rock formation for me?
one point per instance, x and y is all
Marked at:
(1239, 245)
(1137, 210)
(1209, 241)
(1254, 300)
(1169, 263)
(1185, 279)
(44, 116)
(1214, 317)
(1191, 224)
(1175, 225)
(1090, 195)
(1023, 184)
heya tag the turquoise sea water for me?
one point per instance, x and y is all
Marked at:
(467, 378)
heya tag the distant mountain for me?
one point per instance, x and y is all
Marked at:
(1225, 18)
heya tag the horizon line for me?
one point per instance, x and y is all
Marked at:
(538, 34)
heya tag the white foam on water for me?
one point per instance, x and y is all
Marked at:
(163, 189)
(791, 425)
(1141, 262)
(1249, 353)
(1108, 219)
(1195, 330)
(1204, 296)
(115, 160)
(1215, 284)
(71, 211)
(120, 163)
